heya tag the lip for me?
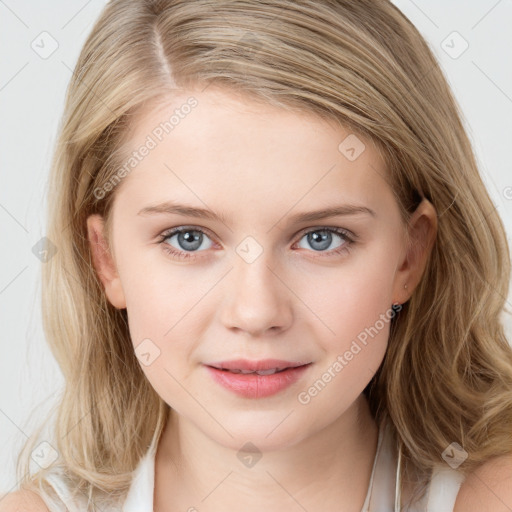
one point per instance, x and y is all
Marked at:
(262, 364)
(258, 386)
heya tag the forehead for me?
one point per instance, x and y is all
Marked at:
(237, 153)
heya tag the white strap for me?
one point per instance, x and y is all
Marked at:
(398, 480)
(383, 489)
(444, 488)
(140, 493)
(64, 501)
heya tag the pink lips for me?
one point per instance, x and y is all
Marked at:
(253, 385)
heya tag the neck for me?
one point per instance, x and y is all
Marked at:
(328, 470)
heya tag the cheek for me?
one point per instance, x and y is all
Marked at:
(353, 333)
(163, 329)
(158, 294)
(352, 303)
(349, 297)
(163, 313)
(168, 308)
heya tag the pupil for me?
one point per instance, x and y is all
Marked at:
(325, 239)
(189, 241)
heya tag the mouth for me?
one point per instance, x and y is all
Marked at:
(261, 367)
(270, 371)
(257, 383)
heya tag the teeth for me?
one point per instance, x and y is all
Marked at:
(270, 371)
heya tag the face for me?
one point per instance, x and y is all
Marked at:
(255, 278)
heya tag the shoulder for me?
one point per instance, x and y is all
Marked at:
(487, 488)
(22, 501)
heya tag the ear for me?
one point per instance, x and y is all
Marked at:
(422, 230)
(104, 263)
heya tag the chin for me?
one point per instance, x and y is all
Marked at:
(266, 431)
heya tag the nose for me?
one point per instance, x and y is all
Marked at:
(257, 300)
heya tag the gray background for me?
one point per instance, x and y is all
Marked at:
(32, 88)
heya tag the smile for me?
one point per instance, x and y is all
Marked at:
(257, 383)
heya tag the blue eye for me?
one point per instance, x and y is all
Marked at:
(322, 238)
(189, 240)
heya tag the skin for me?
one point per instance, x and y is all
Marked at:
(259, 165)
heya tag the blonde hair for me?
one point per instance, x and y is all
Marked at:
(447, 373)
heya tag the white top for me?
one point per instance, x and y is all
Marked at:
(383, 492)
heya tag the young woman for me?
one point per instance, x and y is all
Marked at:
(279, 275)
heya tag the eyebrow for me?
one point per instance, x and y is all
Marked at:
(170, 207)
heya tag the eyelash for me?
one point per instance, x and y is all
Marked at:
(183, 255)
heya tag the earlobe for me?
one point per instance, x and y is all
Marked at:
(422, 231)
(103, 261)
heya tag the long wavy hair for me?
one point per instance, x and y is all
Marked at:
(447, 373)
